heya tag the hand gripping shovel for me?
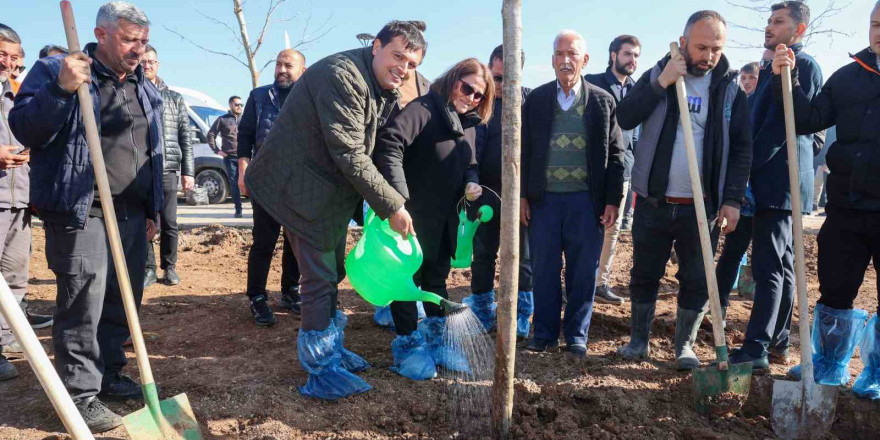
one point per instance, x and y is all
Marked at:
(170, 419)
(47, 376)
(720, 388)
(805, 409)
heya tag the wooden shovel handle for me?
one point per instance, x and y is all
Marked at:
(86, 106)
(797, 226)
(702, 222)
(47, 376)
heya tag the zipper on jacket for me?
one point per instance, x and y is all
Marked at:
(131, 134)
(9, 132)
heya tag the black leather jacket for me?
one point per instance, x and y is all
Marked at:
(178, 151)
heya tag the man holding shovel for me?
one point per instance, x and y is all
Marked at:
(767, 335)
(665, 214)
(90, 324)
(850, 236)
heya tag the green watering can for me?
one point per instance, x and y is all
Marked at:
(464, 248)
(382, 264)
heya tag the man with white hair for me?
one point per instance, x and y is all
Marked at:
(572, 174)
(665, 215)
(90, 325)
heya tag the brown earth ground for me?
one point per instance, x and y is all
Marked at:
(241, 380)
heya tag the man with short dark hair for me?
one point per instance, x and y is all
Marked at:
(90, 323)
(177, 156)
(226, 127)
(262, 108)
(849, 238)
(767, 334)
(748, 77)
(665, 215)
(488, 236)
(312, 172)
(572, 174)
(623, 60)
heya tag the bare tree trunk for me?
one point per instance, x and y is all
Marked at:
(505, 351)
(245, 41)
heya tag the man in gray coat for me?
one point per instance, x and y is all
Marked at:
(15, 218)
(315, 168)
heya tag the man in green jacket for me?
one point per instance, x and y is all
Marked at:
(315, 169)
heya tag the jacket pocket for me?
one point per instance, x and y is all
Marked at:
(310, 194)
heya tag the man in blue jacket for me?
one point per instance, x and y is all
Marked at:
(767, 335)
(90, 325)
(260, 112)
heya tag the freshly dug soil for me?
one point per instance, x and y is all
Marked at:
(241, 379)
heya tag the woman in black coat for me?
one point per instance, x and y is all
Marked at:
(427, 154)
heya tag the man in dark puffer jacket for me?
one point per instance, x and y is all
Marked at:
(178, 155)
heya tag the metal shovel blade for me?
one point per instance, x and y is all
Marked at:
(169, 419)
(802, 410)
(720, 392)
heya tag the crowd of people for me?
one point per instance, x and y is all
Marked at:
(364, 126)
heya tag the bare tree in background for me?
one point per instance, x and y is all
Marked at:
(247, 56)
(820, 12)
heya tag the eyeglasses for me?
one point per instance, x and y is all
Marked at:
(498, 78)
(149, 63)
(468, 90)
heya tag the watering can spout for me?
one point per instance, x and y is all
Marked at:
(451, 307)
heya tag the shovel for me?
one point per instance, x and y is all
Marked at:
(804, 409)
(42, 367)
(170, 419)
(721, 388)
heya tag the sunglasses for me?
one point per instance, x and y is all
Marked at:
(468, 90)
(238, 104)
(498, 78)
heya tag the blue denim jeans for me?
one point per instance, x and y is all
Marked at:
(231, 164)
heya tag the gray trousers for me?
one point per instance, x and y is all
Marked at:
(15, 252)
(90, 325)
(320, 275)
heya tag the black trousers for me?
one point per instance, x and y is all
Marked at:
(432, 278)
(266, 231)
(168, 231)
(848, 240)
(90, 324)
(736, 244)
(486, 243)
(769, 326)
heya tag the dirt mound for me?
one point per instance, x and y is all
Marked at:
(215, 239)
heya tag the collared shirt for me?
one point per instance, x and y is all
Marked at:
(619, 90)
(566, 101)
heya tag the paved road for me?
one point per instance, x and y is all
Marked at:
(194, 216)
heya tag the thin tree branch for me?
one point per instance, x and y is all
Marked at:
(273, 4)
(235, 35)
(184, 38)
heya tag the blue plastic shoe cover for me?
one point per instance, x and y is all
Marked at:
(525, 306)
(319, 356)
(836, 332)
(483, 305)
(868, 383)
(412, 358)
(382, 317)
(350, 361)
(433, 330)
